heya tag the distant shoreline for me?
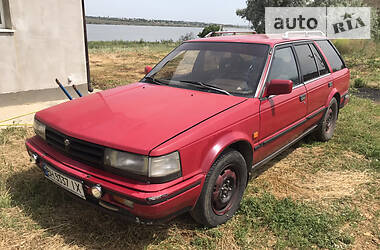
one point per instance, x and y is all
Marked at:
(145, 22)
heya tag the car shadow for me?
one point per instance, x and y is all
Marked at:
(58, 213)
(309, 139)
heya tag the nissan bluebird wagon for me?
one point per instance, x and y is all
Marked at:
(191, 134)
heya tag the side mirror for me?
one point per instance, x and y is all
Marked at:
(148, 69)
(279, 87)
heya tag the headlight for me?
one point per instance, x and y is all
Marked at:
(132, 163)
(164, 165)
(39, 128)
(154, 169)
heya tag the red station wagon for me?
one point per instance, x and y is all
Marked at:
(200, 124)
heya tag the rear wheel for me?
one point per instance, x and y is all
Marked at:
(327, 127)
(222, 191)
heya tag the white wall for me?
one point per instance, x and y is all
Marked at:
(48, 43)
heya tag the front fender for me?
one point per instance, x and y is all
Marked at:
(221, 144)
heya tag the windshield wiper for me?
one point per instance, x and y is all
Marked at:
(154, 80)
(207, 86)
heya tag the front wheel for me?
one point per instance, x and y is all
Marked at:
(222, 191)
(327, 127)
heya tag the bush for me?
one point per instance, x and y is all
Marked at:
(357, 47)
(208, 29)
(345, 46)
(359, 83)
(186, 37)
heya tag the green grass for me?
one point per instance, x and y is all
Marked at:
(358, 130)
(294, 224)
(363, 59)
(127, 45)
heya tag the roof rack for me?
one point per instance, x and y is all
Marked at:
(287, 34)
(231, 33)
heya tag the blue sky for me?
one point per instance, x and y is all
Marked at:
(213, 11)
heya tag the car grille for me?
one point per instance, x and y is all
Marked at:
(82, 151)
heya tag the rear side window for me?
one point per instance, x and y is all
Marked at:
(331, 55)
(321, 64)
(307, 63)
(284, 66)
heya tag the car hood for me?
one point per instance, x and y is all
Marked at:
(135, 118)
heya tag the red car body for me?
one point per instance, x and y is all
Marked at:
(155, 120)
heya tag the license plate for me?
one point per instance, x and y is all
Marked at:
(64, 181)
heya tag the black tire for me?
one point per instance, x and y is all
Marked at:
(325, 130)
(222, 191)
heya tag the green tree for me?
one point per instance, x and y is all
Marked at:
(255, 11)
(376, 23)
(210, 28)
(335, 3)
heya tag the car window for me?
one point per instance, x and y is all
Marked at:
(181, 64)
(212, 60)
(331, 54)
(307, 63)
(284, 66)
(322, 68)
(234, 67)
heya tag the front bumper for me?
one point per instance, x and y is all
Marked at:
(143, 206)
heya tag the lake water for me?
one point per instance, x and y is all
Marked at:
(99, 32)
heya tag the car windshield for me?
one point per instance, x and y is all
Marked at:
(225, 68)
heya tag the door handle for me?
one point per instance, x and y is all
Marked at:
(330, 84)
(302, 97)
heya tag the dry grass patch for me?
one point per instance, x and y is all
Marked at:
(285, 180)
(114, 66)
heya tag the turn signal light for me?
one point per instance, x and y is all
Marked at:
(123, 201)
(255, 135)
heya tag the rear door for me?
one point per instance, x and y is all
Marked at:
(339, 72)
(316, 77)
(281, 116)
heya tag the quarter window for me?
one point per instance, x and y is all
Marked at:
(332, 55)
(284, 66)
(2, 21)
(320, 62)
(307, 63)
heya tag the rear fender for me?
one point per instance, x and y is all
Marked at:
(331, 96)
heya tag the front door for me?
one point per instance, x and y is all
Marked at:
(281, 116)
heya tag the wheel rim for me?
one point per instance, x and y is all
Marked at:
(225, 190)
(330, 120)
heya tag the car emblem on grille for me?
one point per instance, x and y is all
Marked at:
(67, 144)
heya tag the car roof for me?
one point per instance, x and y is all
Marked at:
(270, 39)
